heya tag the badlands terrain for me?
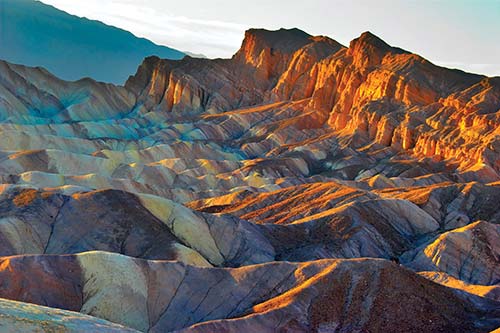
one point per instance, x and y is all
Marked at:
(300, 186)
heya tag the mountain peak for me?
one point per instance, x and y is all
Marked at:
(369, 39)
(368, 50)
(276, 36)
(268, 52)
(282, 41)
(79, 47)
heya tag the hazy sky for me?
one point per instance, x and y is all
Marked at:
(455, 33)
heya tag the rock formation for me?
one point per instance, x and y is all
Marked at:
(301, 185)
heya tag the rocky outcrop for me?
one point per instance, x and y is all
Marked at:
(386, 95)
(266, 54)
(196, 85)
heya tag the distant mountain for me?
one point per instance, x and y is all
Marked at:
(35, 34)
(196, 55)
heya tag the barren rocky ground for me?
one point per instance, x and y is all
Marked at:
(300, 186)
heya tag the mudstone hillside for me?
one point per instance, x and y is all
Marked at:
(300, 186)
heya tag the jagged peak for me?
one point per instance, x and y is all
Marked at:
(151, 59)
(368, 39)
(368, 49)
(319, 48)
(323, 39)
(273, 36)
(282, 40)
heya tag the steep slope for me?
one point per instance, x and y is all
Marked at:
(35, 34)
(371, 93)
(225, 84)
(471, 254)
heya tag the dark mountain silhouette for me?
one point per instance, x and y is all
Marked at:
(35, 34)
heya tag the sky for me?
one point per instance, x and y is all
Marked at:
(462, 34)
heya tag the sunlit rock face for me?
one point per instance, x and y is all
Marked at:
(371, 91)
(245, 194)
(469, 254)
